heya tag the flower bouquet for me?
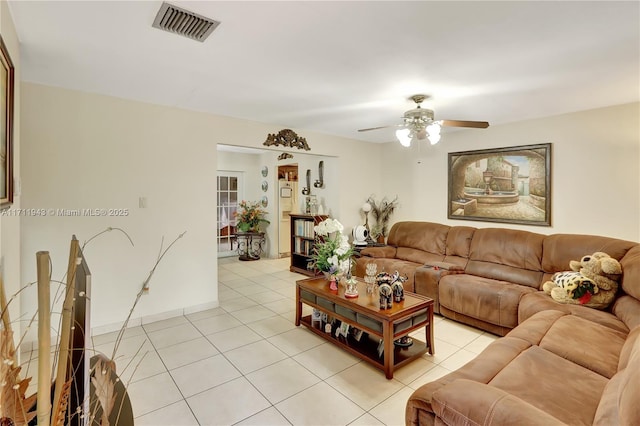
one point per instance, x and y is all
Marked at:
(250, 217)
(332, 251)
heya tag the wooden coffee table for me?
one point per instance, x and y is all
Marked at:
(413, 313)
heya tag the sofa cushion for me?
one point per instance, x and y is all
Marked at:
(627, 309)
(490, 300)
(425, 236)
(507, 255)
(629, 344)
(619, 401)
(570, 335)
(417, 256)
(560, 249)
(459, 241)
(631, 272)
(465, 402)
(533, 303)
(559, 387)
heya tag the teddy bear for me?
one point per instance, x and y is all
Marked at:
(592, 282)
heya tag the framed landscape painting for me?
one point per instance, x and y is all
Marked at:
(6, 126)
(510, 185)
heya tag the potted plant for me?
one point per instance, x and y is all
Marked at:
(250, 216)
(332, 251)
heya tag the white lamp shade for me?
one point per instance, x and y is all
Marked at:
(366, 207)
(403, 137)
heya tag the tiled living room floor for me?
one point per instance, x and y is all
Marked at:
(246, 363)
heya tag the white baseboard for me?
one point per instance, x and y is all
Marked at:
(147, 319)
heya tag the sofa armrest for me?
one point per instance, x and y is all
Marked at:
(428, 277)
(380, 252)
(467, 402)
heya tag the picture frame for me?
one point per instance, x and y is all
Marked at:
(285, 192)
(7, 89)
(508, 185)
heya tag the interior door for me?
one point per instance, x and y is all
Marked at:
(228, 192)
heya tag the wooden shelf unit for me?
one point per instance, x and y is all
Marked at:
(302, 241)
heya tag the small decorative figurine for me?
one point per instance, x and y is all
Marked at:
(386, 299)
(397, 286)
(352, 287)
(398, 291)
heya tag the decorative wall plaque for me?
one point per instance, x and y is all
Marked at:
(287, 137)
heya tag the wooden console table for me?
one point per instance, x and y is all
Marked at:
(413, 313)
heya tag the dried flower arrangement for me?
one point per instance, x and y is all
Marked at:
(381, 212)
(106, 401)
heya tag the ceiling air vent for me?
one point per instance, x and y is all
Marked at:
(180, 21)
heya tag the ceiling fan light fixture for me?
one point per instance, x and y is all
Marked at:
(421, 134)
(404, 137)
(434, 132)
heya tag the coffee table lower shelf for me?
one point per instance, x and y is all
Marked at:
(367, 348)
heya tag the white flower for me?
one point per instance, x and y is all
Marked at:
(333, 260)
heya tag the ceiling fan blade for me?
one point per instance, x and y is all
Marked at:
(461, 123)
(375, 128)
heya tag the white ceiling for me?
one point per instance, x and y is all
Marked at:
(335, 67)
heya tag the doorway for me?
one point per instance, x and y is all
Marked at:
(228, 194)
(287, 203)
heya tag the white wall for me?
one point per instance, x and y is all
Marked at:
(83, 150)
(595, 180)
(10, 225)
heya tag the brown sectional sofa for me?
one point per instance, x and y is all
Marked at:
(557, 364)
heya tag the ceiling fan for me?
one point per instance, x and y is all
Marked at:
(419, 123)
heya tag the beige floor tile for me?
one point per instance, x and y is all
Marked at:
(228, 403)
(152, 393)
(237, 304)
(234, 338)
(289, 292)
(295, 341)
(252, 314)
(319, 405)
(206, 314)
(126, 348)
(366, 420)
(174, 335)
(434, 374)
(268, 417)
(281, 306)
(215, 324)
(458, 359)
(167, 323)
(392, 410)
(254, 356)
(282, 380)
(187, 352)
(326, 360)
(364, 385)
(145, 364)
(413, 370)
(177, 414)
(457, 334)
(271, 326)
(265, 296)
(250, 289)
(480, 344)
(226, 294)
(111, 337)
(202, 375)
(443, 351)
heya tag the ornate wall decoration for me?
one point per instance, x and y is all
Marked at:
(287, 137)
